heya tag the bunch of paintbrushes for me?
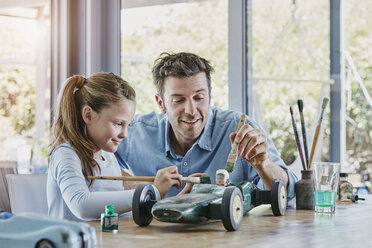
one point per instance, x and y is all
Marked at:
(297, 138)
(306, 163)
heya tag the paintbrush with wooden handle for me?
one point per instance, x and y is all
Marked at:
(234, 148)
(195, 180)
(317, 130)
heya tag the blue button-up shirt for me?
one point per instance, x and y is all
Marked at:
(148, 149)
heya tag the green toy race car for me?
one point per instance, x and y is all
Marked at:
(207, 202)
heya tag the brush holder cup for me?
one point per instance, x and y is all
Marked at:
(305, 191)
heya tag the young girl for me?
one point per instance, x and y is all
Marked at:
(91, 120)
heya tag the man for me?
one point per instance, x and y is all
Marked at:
(194, 136)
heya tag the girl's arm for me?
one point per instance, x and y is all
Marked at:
(66, 170)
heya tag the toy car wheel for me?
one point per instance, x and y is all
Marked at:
(278, 197)
(141, 210)
(232, 208)
(44, 243)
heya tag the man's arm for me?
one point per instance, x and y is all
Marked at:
(270, 171)
(254, 148)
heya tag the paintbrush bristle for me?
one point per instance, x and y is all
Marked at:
(300, 105)
(197, 180)
(325, 102)
(231, 160)
(205, 180)
(233, 155)
(229, 167)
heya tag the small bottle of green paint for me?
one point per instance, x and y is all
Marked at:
(109, 219)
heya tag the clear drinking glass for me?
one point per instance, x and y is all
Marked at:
(326, 178)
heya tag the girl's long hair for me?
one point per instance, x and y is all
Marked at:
(98, 91)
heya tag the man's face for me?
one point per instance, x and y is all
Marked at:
(186, 101)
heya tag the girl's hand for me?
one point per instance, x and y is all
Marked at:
(129, 184)
(188, 186)
(166, 178)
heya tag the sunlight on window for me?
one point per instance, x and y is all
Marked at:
(197, 27)
(24, 84)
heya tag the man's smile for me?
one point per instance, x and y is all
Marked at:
(190, 122)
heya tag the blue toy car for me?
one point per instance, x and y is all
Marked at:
(41, 231)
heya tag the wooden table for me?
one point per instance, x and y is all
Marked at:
(349, 226)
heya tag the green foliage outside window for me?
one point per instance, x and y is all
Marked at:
(201, 27)
(17, 99)
(292, 55)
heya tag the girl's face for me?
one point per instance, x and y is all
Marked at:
(109, 127)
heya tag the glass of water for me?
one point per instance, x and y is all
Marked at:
(326, 178)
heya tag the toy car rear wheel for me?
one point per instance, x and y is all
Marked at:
(44, 243)
(278, 197)
(140, 209)
(232, 208)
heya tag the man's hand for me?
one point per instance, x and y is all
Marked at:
(253, 145)
(254, 148)
(188, 186)
(166, 178)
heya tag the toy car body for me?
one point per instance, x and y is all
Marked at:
(207, 202)
(34, 230)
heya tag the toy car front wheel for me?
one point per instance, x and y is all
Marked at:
(232, 208)
(44, 243)
(141, 210)
(278, 197)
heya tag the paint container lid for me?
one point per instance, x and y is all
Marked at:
(355, 198)
(109, 209)
(343, 174)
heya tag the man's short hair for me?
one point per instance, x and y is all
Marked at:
(179, 65)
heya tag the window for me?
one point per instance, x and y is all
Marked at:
(290, 62)
(199, 27)
(24, 83)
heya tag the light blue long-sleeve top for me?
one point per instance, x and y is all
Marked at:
(147, 149)
(68, 194)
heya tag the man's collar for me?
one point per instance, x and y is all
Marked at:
(168, 149)
(205, 140)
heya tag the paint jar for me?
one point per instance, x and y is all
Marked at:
(109, 219)
(345, 188)
(305, 191)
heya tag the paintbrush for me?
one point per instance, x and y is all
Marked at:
(297, 138)
(234, 148)
(317, 130)
(195, 180)
(303, 128)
